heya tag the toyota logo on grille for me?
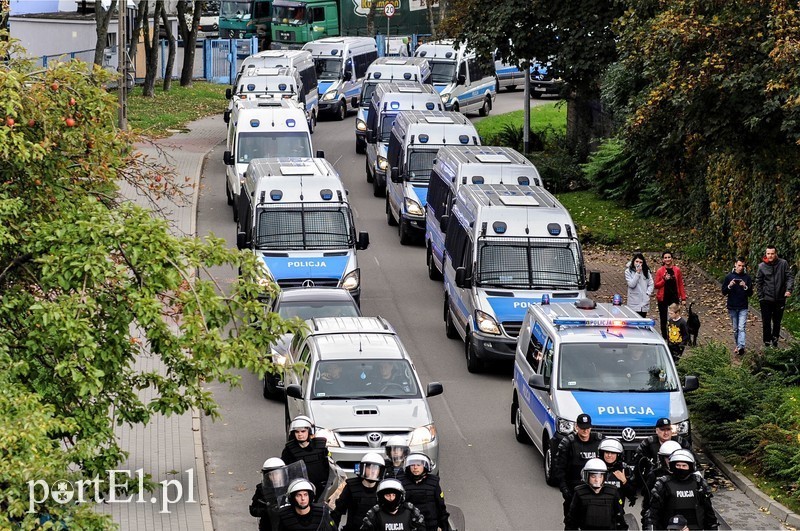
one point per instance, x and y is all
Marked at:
(628, 434)
(374, 438)
(308, 283)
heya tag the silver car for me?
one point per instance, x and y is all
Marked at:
(354, 378)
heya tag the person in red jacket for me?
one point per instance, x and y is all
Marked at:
(669, 288)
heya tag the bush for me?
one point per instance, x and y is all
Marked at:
(612, 172)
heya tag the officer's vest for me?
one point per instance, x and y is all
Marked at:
(423, 496)
(598, 509)
(291, 521)
(315, 456)
(361, 501)
(684, 497)
(581, 452)
(394, 522)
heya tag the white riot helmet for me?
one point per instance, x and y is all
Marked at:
(390, 485)
(610, 445)
(397, 450)
(371, 467)
(666, 450)
(302, 421)
(681, 456)
(273, 474)
(272, 463)
(594, 466)
(300, 485)
(418, 459)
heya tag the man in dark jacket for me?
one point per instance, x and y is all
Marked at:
(738, 286)
(360, 494)
(313, 451)
(775, 282)
(595, 504)
(574, 451)
(425, 493)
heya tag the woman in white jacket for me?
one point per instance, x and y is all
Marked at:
(640, 284)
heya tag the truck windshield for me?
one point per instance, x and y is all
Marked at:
(443, 71)
(615, 368)
(236, 9)
(273, 144)
(366, 93)
(355, 379)
(328, 68)
(386, 127)
(420, 164)
(304, 226)
(529, 263)
(292, 14)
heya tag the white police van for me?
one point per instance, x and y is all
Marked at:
(465, 81)
(384, 70)
(600, 359)
(459, 165)
(296, 217)
(506, 247)
(388, 100)
(341, 64)
(415, 139)
(509, 76)
(262, 129)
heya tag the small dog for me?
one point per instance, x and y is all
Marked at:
(693, 324)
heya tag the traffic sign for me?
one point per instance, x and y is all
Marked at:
(388, 9)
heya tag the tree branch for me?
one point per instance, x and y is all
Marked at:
(15, 263)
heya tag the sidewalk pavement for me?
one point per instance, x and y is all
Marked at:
(169, 446)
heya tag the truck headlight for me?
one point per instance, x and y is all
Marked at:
(682, 428)
(383, 164)
(486, 323)
(413, 208)
(361, 125)
(565, 427)
(423, 435)
(328, 435)
(351, 280)
(278, 358)
(328, 96)
(445, 97)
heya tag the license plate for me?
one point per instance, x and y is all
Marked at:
(539, 89)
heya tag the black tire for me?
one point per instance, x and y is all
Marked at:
(433, 272)
(449, 328)
(474, 364)
(511, 88)
(536, 95)
(404, 231)
(389, 216)
(341, 111)
(228, 195)
(547, 460)
(378, 190)
(270, 391)
(314, 118)
(311, 124)
(486, 108)
(235, 210)
(456, 107)
(361, 149)
(370, 177)
(519, 430)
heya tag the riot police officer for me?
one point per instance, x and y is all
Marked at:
(301, 514)
(595, 504)
(396, 452)
(313, 451)
(574, 451)
(660, 468)
(683, 492)
(423, 490)
(649, 447)
(619, 474)
(392, 512)
(265, 502)
(360, 493)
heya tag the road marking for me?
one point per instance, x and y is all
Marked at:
(376, 260)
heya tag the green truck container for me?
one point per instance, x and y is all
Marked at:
(296, 22)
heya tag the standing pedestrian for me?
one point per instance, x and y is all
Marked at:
(669, 288)
(313, 451)
(738, 286)
(677, 332)
(267, 499)
(574, 451)
(301, 514)
(640, 284)
(595, 504)
(423, 490)
(360, 494)
(775, 282)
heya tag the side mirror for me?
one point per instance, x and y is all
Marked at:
(228, 94)
(227, 158)
(536, 381)
(348, 75)
(363, 241)
(320, 154)
(226, 116)
(461, 79)
(396, 175)
(594, 281)
(371, 136)
(294, 391)
(461, 278)
(241, 240)
(691, 383)
(434, 388)
(443, 222)
(354, 102)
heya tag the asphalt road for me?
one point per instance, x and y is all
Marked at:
(497, 482)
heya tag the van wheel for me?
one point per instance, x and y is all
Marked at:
(286, 420)
(341, 111)
(484, 111)
(519, 431)
(404, 231)
(433, 272)
(270, 391)
(228, 195)
(547, 460)
(370, 178)
(314, 118)
(235, 210)
(474, 364)
(389, 216)
(511, 88)
(455, 107)
(311, 125)
(378, 190)
(449, 328)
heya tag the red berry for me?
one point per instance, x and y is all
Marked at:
(70, 121)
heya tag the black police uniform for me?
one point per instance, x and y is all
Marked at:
(628, 490)
(315, 456)
(355, 500)
(649, 448)
(595, 510)
(690, 497)
(393, 472)
(407, 518)
(572, 455)
(315, 520)
(263, 508)
(426, 495)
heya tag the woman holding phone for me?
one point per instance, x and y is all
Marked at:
(640, 284)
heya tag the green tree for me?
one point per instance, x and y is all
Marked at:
(91, 282)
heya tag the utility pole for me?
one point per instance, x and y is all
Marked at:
(526, 128)
(122, 65)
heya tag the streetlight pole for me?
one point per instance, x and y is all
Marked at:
(526, 128)
(122, 64)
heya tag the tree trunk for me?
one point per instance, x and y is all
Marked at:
(5, 11)
(136, 30)
(442, 9)
(431, 22)
(171, 55)
(189, 36)
(580, 126)
(101, 19)
(151, 50)
(373, 7)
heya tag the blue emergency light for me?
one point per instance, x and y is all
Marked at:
(290, 122)
(334, 51)
(524, 181)
(554, 229)
(463, 139)
(276, 195)
(616, 300)
(394, 105)
(251, 86)
(478, 180)
(499, 227)
(624, 322)
(448, 55)
(423, 139)
(429, 105)
(282, 86)
(326, 194)
(254, 123)
(376, 75)
(545, 299)
(407, 75)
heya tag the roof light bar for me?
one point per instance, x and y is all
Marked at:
(604, 322)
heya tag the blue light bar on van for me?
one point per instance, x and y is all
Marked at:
(282, 87)
(407, 75)
(254, 123)
(429, 105)
(251, 86)
(554, 229)
(276, 195)
(290, 122)
(376, 75)
(423, 139)
(394, 105)
(545, 299)
(334, 52)
(604, 322)
(478, 180)
(326, 194)
(524, 181)
(463, 139)
(499, 227)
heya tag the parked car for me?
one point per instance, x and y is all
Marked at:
(543, 82)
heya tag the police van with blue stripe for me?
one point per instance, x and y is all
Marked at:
(385, 70)
(296, 218)
(466, 82)
(341, 64)
(601, 359)
(466, 165)
(415, 139)
(388, 100)
(506, 247)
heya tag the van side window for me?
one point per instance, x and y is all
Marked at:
(455, 243)
(393, 153)
(361, 66)
(462, 70)
(534, 354)
(437, 195)
(305, 356)
(309, 78)
(475, 73)
(546, 369)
